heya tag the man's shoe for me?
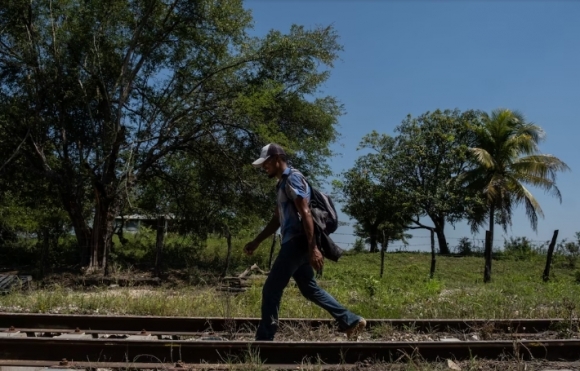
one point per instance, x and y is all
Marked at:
(355, 330)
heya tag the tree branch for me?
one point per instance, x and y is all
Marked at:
(15, 152)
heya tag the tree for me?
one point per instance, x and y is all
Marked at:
(372, 196)
(362, 201)
(430, 152)
(102, 93)
(506, 159)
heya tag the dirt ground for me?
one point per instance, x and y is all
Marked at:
(75, 278)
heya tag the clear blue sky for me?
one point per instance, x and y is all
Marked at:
(409, 57)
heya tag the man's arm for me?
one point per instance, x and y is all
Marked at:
(270, 228)
(304, 211)
(316, 258)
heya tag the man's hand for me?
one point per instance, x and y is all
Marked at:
(250, 247)
(316, 259)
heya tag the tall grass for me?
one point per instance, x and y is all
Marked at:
(405, 291)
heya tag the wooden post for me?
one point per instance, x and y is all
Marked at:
(272, 251)
(546, 276)
(44, 250)
(159, 241)
(383, 250)
(488, 246)
(229, 242)
(433, 258)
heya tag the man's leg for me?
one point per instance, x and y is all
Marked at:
(288, 260)
(304, 277)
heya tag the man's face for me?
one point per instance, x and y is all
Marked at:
(270, 166)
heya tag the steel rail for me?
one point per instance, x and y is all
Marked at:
(180, 366)
(197, 352)
(51, 332)
(32, 332)
(124, 366)
(219, 324)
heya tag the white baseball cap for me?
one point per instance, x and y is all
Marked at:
(268, 150)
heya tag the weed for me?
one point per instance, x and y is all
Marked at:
(382, 331)
(371, 285)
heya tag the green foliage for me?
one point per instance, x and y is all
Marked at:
(370, 194)
(464, 247)
(371, 285)
(415, 172)
(159, 107)
(570, 251)
(19, 252)
(359, 246)
(186, 252)
(506, 158)
(33, 225)
(431, 153)
(521, 248)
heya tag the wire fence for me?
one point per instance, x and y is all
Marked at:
(476, 242)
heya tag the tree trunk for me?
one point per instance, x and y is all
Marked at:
(161, 230)
(489, 245)
(102, 232)
(107, 240)
(546, 276)
(373, 238)
(383, 250)
(441, 239)
(433, 258)
(80, 227)
(94, 243)
(487, 269)
(272, 251)
(229, 242)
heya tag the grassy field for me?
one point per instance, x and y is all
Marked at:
(405, 291)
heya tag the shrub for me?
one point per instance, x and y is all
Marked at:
(570, 251)
(464, 247)
(520, 248)
(359, 246)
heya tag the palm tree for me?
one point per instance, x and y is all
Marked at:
(506, 158)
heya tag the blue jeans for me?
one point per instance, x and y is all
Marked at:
(293, 261)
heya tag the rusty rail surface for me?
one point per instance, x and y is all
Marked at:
(198, 352)
(142, 365)
(217, 324)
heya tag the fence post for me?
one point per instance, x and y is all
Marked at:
(546, 276)
(487, 254)
(433, 258)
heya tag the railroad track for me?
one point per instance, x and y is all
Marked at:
(220, 324)
(34, 339)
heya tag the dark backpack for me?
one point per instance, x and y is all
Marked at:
(322, 204)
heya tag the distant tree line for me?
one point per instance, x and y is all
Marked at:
(444, 167)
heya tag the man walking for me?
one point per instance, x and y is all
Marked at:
(299, 253)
